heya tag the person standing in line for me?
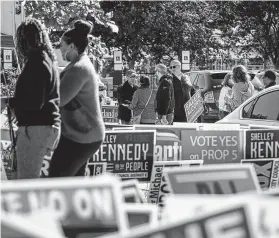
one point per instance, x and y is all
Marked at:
(165, 96)
(83, 128)
(226, 91)
(143, 102)
(242, 88)
(36, 100)
(269, 78)
(182, 88)
(125, 94)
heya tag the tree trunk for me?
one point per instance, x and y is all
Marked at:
(266, 64)
(276, 63)
(266, 61)
(131, 64)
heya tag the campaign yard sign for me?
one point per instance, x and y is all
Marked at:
(131, 191)
(209, 97)
(218, 127)
(158, 185)
(168, 145)
(140, 214)
(110, 114)
(228, 222)
(262, 144)
(194, 107)
(82, 205)
(213, 147)
(212, 179)
(110, 125)
(272, 192)
(263, 209)
(267, 171)
(18, 226)
(128, 154)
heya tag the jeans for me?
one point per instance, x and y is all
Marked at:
(33, 144)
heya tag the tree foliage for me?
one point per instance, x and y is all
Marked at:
(59, 16)
(252, 24)
(158, 28)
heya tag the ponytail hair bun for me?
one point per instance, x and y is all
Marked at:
(83, 27)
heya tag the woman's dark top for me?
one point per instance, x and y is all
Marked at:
(37, 98)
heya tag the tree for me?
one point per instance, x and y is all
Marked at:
(59, 16)
(158, 28)
(252, 24)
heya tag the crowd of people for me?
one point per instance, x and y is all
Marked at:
(237, 87)
(173, 89)
(59, 116)
(161, 103)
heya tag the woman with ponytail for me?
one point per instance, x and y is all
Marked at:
(82, 130)
(36, 100)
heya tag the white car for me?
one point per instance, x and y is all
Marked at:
(260, 109)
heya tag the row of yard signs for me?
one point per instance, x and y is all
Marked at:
(197, 197)
(131, 152)
(110, 114)
(98, 206)
(82, 206)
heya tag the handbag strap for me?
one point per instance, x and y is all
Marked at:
(10, 120)
(11, 128)
(147, 101)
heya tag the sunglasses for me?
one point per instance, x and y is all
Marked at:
(172, 67)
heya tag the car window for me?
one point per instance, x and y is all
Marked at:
(217, 78)
(218, 75)
(270, 112)
(200, 82)
(247, 109)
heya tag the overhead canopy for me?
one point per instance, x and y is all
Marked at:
(7, 41)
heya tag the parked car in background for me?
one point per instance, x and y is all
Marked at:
(210, 84)
(261, 109)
